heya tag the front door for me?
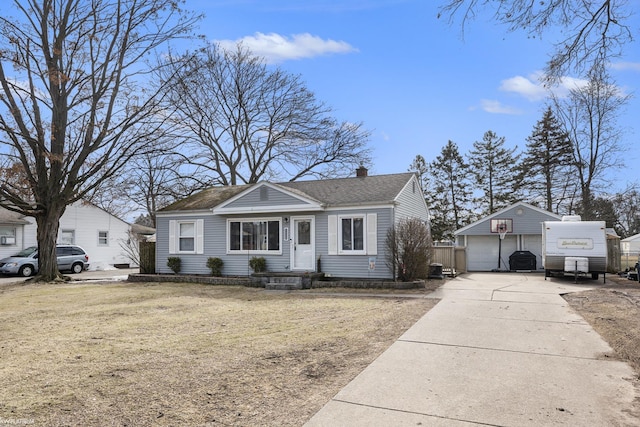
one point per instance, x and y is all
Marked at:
(303, 244)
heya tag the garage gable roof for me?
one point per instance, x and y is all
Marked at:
(526, 218)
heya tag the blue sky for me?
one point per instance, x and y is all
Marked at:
(411, 78)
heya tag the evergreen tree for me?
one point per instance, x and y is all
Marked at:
(493, 169)
(545, 170)
(449, 195)
(603, 209)
(421, 168)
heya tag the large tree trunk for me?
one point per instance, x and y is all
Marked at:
(587, 204)
(48, 223)
(74, 112)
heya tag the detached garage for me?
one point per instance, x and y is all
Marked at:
(510, 237)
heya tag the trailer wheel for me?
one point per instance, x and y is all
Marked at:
(594, 276)
(547, 273)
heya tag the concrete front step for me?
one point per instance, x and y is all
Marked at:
(284, 283)
(283, 286)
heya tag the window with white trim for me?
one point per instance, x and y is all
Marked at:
(254, 235)
(68, 237)
(7, 236)
(186, 236)
(103, 238)
(355, 234)
(352, 234)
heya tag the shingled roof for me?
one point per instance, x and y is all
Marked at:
(12, 218)
(365, 190)
(206, 199)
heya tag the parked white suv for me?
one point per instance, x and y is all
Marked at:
(25, 263)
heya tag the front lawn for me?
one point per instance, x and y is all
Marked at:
(184, 354)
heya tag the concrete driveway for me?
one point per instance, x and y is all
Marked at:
(499, 349)
(93, 275)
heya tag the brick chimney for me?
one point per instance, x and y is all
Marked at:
(362, 171)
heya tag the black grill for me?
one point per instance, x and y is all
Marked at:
(522, 260)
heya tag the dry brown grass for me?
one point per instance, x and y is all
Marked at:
(178, 354)
(614, 312)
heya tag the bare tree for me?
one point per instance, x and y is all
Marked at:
(131, 247)
(73, 104)
(409, 247)
(158, 179)
(589, 116)
(627, 207)
(249, 121)
(596, 29)
(13, 176)
(153, 180)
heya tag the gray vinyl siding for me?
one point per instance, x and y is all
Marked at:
(238, 264)
(215, 245)
(354, 266)
(265, 197)
(191, 263)
(529, 222)
(410, 203)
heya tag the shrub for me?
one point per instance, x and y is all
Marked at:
(215, 265)
(258, 264)
(409, 249)
(174, 263)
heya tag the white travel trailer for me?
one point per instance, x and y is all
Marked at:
(574, 246)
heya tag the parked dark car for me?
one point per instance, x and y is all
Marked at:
(25, 263)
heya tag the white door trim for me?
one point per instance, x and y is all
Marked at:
(294, 237)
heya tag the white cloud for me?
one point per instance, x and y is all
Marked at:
(533, 89)
(623, 66)
(277, 48)
(567, 84)
(496, 107)
(529, 87)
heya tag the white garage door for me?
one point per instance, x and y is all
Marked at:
(482, 252)
(533, 244)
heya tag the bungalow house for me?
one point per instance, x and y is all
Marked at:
(521, 226)
(84, 224)
(336, 226)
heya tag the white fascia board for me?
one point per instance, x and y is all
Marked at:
(267, 209)
(361, 207)
(174, 214)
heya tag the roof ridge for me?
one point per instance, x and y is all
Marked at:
(347, 177)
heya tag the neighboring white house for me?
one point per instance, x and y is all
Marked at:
(630, 249)
(84, 224)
